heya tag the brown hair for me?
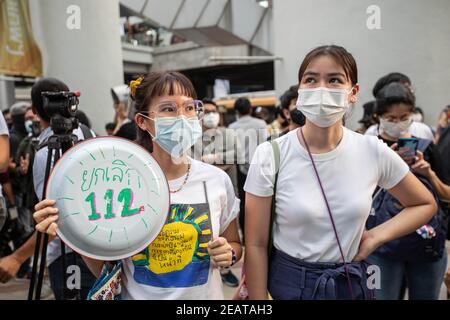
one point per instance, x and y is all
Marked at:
(339, 54)
(156, 84)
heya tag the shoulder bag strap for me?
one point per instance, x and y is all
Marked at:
(276, 155)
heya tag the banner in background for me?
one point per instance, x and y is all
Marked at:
(19, 53)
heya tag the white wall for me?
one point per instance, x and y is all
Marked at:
(414, 39)
(7, 98)
(88, 59)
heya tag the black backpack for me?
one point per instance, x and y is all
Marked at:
(412, 247)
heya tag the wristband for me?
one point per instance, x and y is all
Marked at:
(233, 257)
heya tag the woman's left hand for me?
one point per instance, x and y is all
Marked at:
(369, 243)
(221, 252)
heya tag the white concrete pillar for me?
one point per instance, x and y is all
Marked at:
(7, 97)
(80, 44)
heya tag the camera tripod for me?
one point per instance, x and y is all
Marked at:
(57, 145)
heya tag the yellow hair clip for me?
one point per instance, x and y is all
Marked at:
(133, 86)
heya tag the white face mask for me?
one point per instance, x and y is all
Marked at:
(211, 120)
(323, 106)
(395, 129)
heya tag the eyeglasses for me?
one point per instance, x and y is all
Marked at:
(190, 109)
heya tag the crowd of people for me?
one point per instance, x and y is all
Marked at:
(307, 203)
(145, 34)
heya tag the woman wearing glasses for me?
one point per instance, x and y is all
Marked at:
(201, 228)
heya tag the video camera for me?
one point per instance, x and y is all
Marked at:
(61, 108)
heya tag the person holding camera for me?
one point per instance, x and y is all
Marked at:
(10, 264)
(419, 257)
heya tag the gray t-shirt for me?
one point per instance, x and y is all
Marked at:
(250, 132)
(3, 132)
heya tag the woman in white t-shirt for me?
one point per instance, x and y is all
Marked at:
(316, 231)
(166, 107)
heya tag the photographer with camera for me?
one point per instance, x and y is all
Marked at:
(50, 115)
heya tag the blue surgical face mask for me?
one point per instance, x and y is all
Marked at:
(176, 135)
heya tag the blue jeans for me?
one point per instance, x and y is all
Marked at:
(424, 279)
(294, 279)
(57, 280)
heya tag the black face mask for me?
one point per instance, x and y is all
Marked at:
(297, 117)
(284, 122)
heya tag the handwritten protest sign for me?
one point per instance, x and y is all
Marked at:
(112, 196)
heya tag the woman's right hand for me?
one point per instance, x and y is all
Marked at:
(46, 216)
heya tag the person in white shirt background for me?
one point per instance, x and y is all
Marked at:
(417, 128)
(316, 241)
